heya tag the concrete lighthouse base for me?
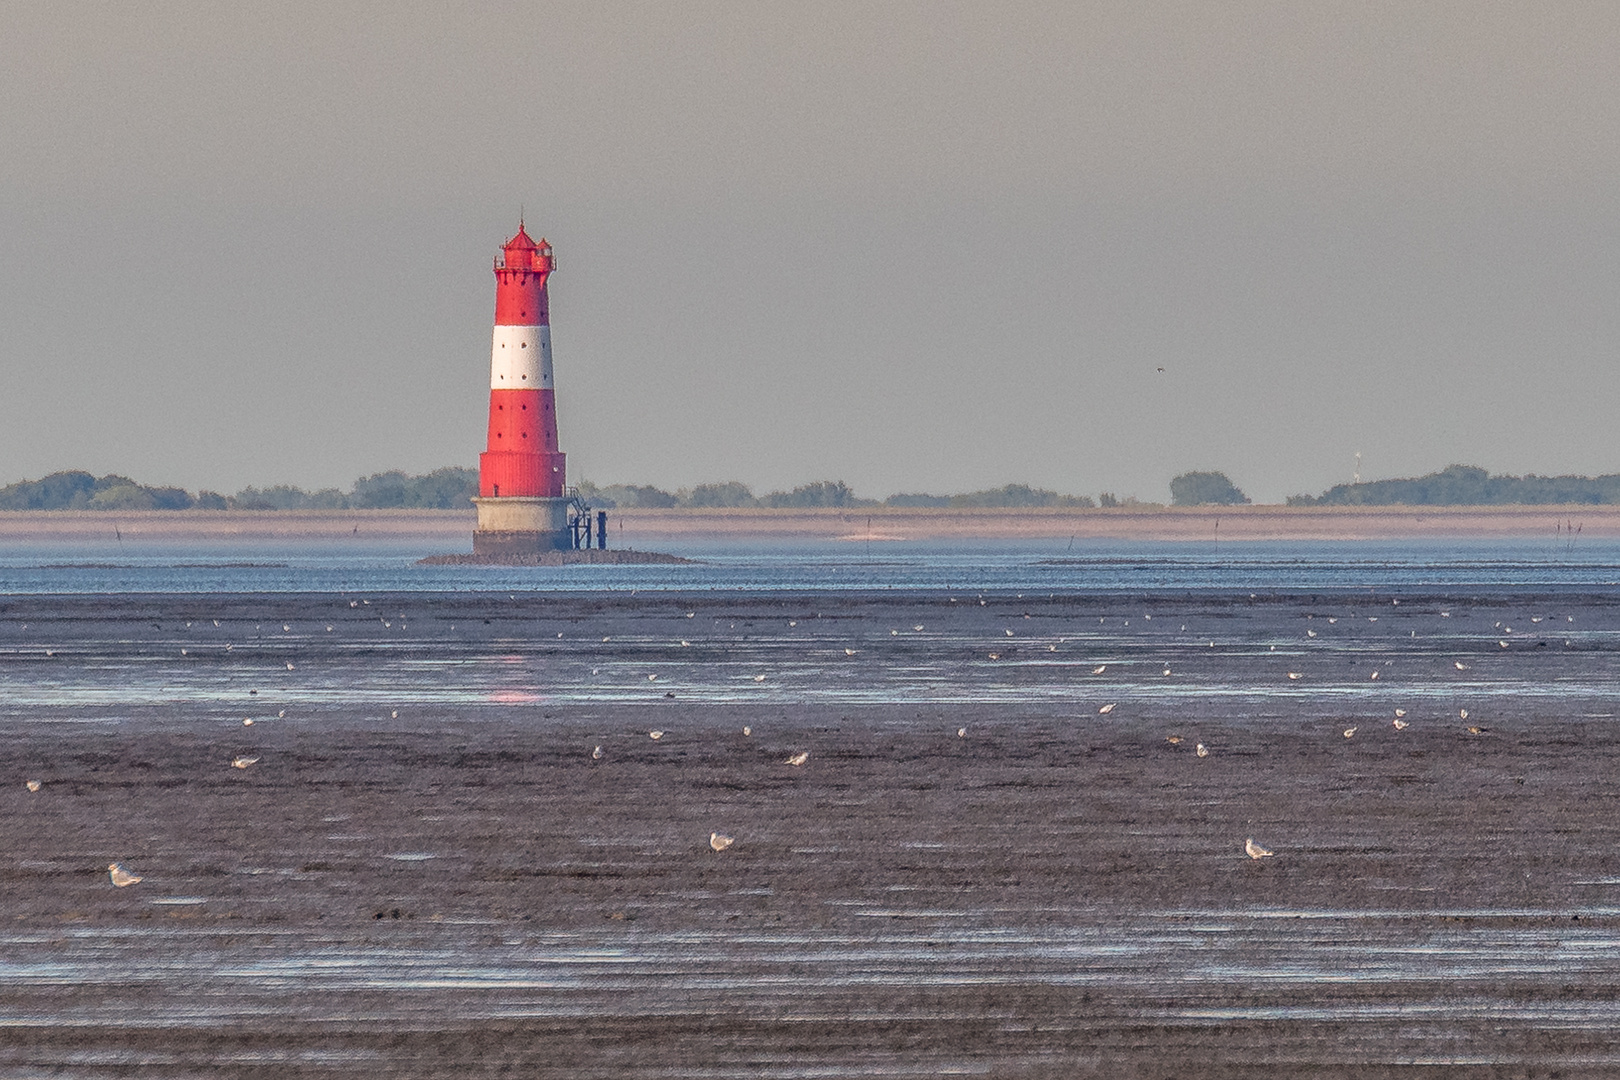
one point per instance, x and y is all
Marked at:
(516, 526)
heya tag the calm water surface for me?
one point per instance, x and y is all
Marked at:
(1094, 566)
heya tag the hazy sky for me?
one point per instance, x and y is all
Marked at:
(916, 247)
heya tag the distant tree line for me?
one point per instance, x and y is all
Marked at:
(1466, 485)
(823, 493)
(451, 488)
(441, 489)
(1205, 489)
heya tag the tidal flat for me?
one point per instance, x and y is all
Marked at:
(430, 870)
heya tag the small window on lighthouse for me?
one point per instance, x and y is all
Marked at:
(525, 378)
(521, 345)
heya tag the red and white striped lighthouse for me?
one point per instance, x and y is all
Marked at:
(521, 479)
(521, 458)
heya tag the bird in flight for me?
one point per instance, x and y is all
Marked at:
(33, 785)
(243, 762)
(1255, 851)
(798, 759)
(1106, 709)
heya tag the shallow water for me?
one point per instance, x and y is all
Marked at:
(1087, 566)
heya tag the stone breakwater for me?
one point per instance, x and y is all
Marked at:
(581, 557)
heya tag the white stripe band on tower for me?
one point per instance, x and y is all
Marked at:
(520, 358)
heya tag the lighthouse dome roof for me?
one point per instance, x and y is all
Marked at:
(521, 242)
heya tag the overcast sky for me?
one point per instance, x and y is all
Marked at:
(917, 247)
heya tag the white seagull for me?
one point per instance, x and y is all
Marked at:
(1201, 750)
(720, 842)
(33, 785)
(798, 759)
(1106, 709)
(243, 762)
(121, 877)
(1255, 851)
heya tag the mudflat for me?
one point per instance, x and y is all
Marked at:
(430, 870)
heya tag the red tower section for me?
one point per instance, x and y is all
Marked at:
(521, 458)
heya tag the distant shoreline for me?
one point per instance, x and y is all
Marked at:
(634, 527)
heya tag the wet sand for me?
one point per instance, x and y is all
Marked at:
(463, 890)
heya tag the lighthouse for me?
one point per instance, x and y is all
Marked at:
(523, 504)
